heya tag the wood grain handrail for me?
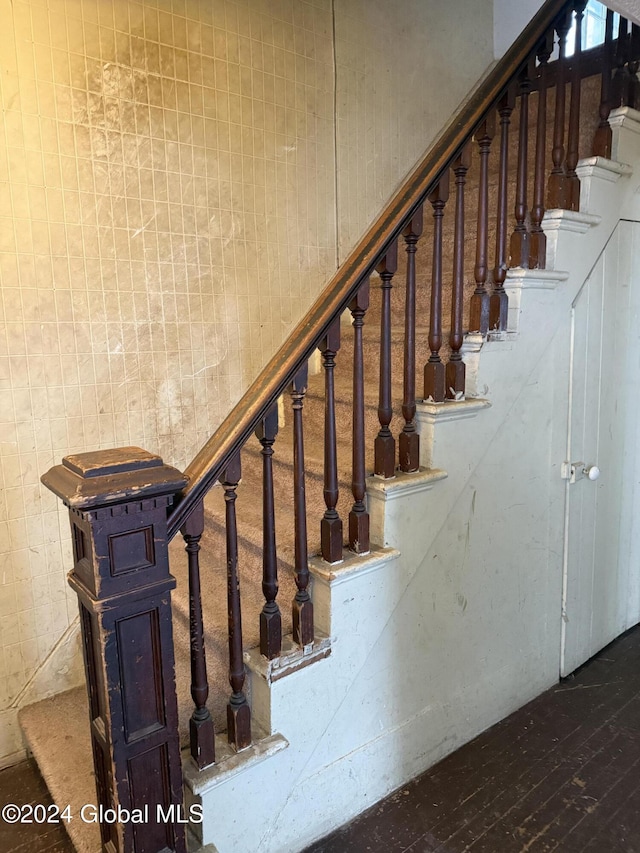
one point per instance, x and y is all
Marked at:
(238, 426)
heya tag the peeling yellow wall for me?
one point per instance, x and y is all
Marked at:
(167, 211)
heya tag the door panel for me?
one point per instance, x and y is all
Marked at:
(601, 595)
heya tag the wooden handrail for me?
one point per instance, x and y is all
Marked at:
(234, 431)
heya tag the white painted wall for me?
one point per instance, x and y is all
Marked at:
(510, 17)
(629, 8)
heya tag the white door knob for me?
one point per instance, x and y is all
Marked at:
(592, 472)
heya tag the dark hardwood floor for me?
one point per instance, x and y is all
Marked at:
(23, 784)
(562, 773)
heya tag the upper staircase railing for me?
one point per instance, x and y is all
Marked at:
(125, 505)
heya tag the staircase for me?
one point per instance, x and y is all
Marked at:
(406, 623)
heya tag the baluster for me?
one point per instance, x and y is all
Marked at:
(572, 185)
(621, 83)
(556, 189)
(434, 372)
(634, 65)
(479, 309)
(358, 517)
(519, 246)
(238, 711)
(455, 373)
(537, 238)
(331, 524)
(409, 440)
(603, 137)
(201, 734)
(385, 445)
(270, 618)
(499, 303)
(302, 604)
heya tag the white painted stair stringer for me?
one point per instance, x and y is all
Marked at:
(504, 367)
(507, 367)
(433, 644)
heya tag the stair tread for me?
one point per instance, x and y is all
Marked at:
(58, 734)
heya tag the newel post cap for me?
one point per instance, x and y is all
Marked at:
(104, 477)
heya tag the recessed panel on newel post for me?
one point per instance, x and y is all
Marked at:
(117, 502)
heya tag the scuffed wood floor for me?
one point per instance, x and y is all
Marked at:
(562, 773)
(24, 784)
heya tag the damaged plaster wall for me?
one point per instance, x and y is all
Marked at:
(156, 243)
(168, 211)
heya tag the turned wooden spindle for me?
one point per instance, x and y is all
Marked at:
(621, 83)
(302, 610)
(434, 373)
(201, 734)
(358, 516)
(556, 184)
(537, 238)
(455, 373)
(385, 445)
(409, 439)
(499, 302)
(603, 136)
(519, 246)
(238, 710)
(479, 308)
(331, 524)
(634, 66)
(270, 618)
(572, 183)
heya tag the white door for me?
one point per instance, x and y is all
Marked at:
(601, 589)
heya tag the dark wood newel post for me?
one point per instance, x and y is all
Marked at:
(117, 502)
